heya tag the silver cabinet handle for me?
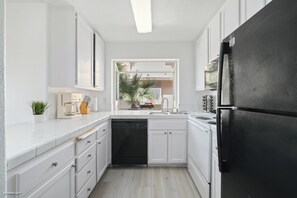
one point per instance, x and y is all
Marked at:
(88, 142)
(12, 193)
(89, 155)
(99, 142)
(89, 172)
(55, 164)
(165, 133)
(170, 133)
(89, 189)
(103, 129)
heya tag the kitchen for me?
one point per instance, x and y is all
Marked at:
(81, 60)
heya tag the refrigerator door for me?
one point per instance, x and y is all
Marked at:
(261, 153)
(260, 67)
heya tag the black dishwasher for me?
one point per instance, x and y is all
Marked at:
(129, 141)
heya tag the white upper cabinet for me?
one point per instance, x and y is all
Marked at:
(214, 37)
(249, 8)
(99, 63)
(201, 55)
(62, 59)
(230, 17)
(84, 55)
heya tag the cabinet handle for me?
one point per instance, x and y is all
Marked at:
(12, 193)
(103, 129)
(165, 133)
(89, 189)
(55, 164)
(89, 155)
(99, 142)
(89, 172)
(170, 133)
(88, 141)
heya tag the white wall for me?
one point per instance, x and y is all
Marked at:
(184, 51)
(2, 102)
(26, 58)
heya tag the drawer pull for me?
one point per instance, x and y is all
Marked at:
(89, 155)
(89, 189)
(88, 141)
(12, 193)
(55, 164)
(89, 172)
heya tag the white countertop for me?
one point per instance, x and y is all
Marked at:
(28, 140)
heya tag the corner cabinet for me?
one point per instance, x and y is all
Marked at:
(201, 54)
(90, 52)
(167, 141)
(99, 54)
(214, 29)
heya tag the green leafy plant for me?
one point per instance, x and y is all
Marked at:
(39, 107)
(132, 90)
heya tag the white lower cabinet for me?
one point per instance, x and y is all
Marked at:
(157, 147)
(215, 178)
(167, 141)
(101, 156)
(60, 185)
(177, 148)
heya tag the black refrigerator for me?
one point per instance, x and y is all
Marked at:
(257, 106)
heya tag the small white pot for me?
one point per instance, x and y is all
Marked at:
(39, 118)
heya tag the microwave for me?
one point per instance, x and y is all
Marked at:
(211, 75)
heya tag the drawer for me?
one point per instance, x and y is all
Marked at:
(166, 124)
(37, 172)
(85, 141)
(83, 175)
(88, 187)
(103, 129)
(85, 157)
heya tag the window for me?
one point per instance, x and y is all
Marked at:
(142, 84)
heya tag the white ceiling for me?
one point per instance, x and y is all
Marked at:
(173, 20)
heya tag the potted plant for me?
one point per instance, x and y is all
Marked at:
(132, 90)
(38, 109)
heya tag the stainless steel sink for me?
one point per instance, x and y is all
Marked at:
(158, 113)
(203, 118)
(180, 112)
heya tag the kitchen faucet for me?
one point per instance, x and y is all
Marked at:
(166, 105)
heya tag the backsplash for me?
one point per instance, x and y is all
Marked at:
(52, 99)
(199, 96)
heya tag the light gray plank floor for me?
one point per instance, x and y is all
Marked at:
(143, 182)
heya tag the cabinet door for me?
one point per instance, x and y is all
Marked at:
(249, 8)
(60, 185)
(101, 156)
(201, 56)
(216, 178)
(214, 37)
(157, 147)
(230, 17)
(84, 55)
(177, 147)
(99, 63)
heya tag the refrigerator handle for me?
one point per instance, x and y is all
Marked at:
(225, 49)
(223, 164)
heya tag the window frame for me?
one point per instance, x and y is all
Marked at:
(114, 70)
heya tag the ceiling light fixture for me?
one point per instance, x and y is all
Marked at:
(142, 10)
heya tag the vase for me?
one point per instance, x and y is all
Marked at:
(39, 118)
